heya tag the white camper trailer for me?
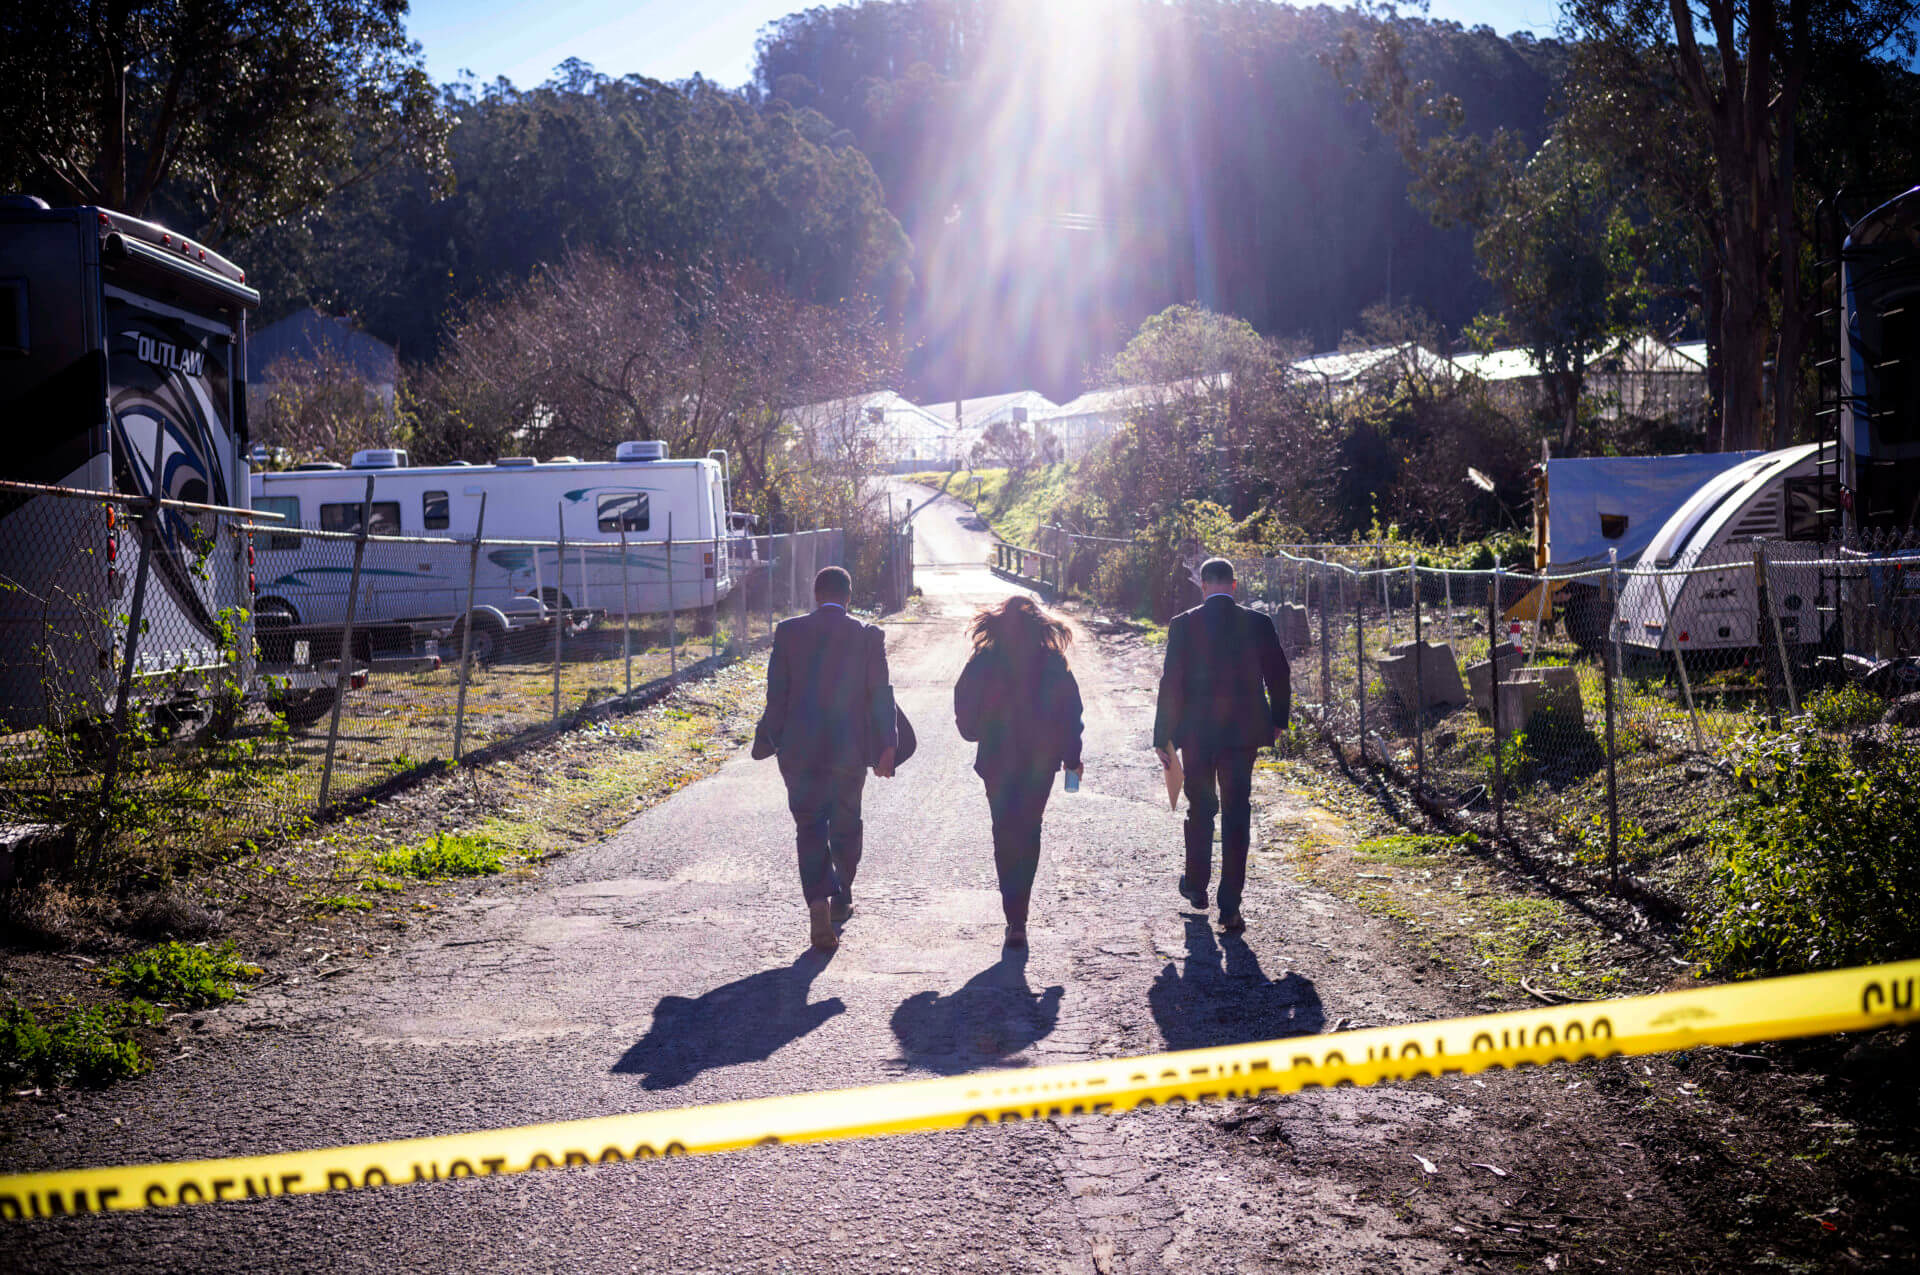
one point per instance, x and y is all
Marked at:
(641, 493)
(1786, 498)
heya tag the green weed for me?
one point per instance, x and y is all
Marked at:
(90, 1046)
(187, 975)
(343, 903)
(447, 855)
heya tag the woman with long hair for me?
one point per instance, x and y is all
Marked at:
(1018, 700)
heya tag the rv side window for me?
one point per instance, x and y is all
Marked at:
(433, 510)
(1812, 508)
(346, 517)
(624, 511)
(288, 507)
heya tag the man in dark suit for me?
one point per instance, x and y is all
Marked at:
(829, 716)
(1224, 695)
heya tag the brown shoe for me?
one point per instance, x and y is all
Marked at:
(820, 918)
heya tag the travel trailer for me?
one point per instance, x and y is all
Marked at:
(1785, 498)
(642, 494)
(1879, 367)
(122, 362)
(1589, 511)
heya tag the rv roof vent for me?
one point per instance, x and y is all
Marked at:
(515, 462)
(308, 466)
(563, 460)
(381, 458)
(651, 449)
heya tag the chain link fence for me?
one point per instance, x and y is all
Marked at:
(1571, 705)
(175, 678)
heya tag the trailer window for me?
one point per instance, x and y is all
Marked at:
(346, 517)
(288, 507)
(624, 511)
(433, 510)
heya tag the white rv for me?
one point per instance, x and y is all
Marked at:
(1786, 498)
(641, 493)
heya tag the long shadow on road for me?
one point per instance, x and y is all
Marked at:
(993, 1015)
(740, 1022)
(1223, 997)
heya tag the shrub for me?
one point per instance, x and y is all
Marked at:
(1818, 865)
(1841, 708)
(181, 974)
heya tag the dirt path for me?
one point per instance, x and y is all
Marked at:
(667, 966)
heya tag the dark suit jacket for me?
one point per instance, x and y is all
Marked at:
(829, 705)
(1023, 711)
(1226, 681)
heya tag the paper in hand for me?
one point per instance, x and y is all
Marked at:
(1175, 778)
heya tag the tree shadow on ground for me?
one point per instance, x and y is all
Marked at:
(993, 1015)
(1223, 997)
(740, 1022)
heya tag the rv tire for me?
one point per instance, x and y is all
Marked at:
(489, 635)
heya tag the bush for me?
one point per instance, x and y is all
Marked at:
(184, 975)
(1841, 708)
(1818, 866)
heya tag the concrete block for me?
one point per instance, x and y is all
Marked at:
(1427, 666)
(1559, 693)
(1290, 622)
(1480, 681)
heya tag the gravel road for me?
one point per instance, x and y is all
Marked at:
(668, 966)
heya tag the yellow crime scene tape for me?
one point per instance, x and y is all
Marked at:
(1738, 1013)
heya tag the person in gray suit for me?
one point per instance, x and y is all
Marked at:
(829, 717)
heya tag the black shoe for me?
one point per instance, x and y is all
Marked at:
(1196, 897)
(842, 906)
(1232, 922)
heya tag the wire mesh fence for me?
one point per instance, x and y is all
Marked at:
(179, 676)
(1510, 698)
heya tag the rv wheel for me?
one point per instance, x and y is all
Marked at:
(489, 637)
(303, 708)
(1588, 609)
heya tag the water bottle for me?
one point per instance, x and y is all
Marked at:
(1073, 781)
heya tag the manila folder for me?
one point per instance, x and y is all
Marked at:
(1175, 777)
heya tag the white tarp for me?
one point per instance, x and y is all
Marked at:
(1599, 503)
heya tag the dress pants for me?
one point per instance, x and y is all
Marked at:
(826, 820)
(1219, 781)
(1017, 801)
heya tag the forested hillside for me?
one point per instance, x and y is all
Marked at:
(1213, 155)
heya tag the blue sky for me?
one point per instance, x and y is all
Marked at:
(671, 39)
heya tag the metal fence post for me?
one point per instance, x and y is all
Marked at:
(1763, 632)
(626, 609)
(673, 635)
(559, 600)
(1360, 661)
(1419, 684)
(343, 673)
(1679, 658)
(771, 550)
(1610, 669)
(116, 741)
(1326, 655)
(466, 632)
(1771, 615)
(1493, 681)
(713, 572)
